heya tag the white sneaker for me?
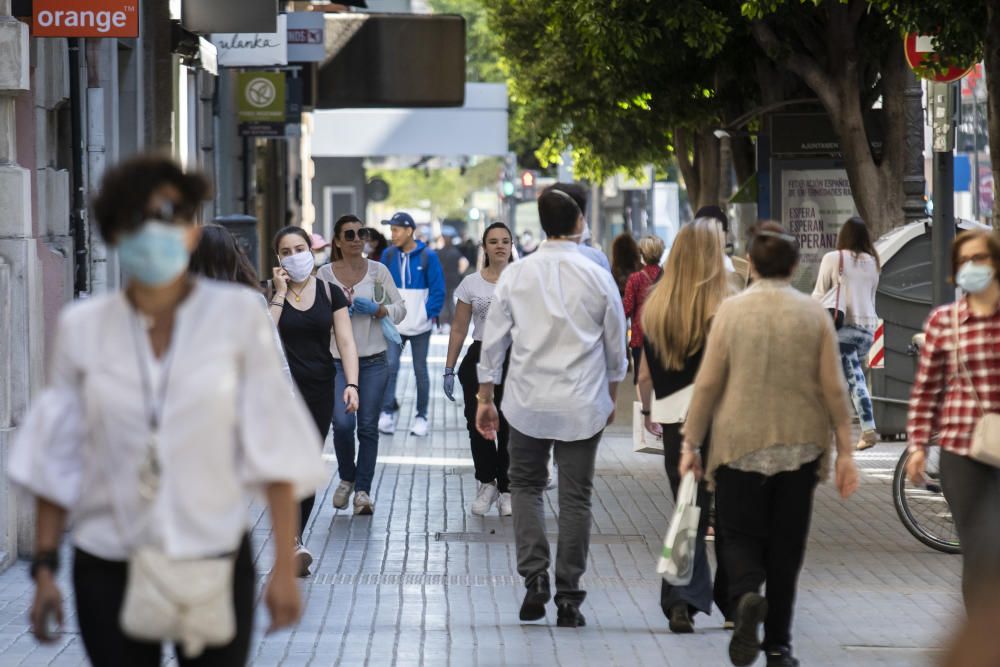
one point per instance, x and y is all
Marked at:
(387, 423)
(303, 558)
(504, 505)
(486, 496)
(342, 494)
(363, 504)
(420, 427)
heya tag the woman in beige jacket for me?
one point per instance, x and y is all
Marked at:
(771, 389)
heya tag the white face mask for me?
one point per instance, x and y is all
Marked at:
(299, 265)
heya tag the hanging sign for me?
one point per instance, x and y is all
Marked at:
(253, 49)
(261, 104)
(85, 18)
(305, 37)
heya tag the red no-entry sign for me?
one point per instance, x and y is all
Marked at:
(920, 52)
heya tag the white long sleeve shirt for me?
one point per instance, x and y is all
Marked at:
(860, 283)
(562, 318)
(229, 425)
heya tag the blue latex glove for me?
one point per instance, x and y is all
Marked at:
(364, 306)
(390, 332)
(449, 384)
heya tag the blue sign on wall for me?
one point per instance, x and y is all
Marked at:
(963, 172)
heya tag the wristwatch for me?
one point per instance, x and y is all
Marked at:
(46, 559)
(645, 413)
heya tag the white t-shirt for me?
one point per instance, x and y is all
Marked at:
(478, 293)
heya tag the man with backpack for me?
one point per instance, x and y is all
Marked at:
(417, 272)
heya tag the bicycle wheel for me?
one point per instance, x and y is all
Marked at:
(923, 508)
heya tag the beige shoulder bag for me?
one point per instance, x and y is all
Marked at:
(986, 436)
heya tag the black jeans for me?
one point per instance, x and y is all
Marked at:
(764, 521)
(99, 586)
(491, 460)
(700, 593)
(320, 405)
(972, 490)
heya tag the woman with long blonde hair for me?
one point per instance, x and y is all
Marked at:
(675, 321)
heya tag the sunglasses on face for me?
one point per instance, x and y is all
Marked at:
(364, 234)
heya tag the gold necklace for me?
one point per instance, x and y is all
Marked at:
(298, 295)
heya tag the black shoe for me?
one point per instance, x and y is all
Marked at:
(744, 647)
(781, 657)
(680, 619)
(533, 607)
(569, 616)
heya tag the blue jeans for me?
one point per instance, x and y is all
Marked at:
(419, 345)
(854, 345)
(372, 376)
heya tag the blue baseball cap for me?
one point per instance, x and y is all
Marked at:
(401, 219)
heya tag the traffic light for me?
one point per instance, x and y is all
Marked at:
(527, 185)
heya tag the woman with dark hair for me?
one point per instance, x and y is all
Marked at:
(853, 268)
(310, 314)
(770, 389)
(475, 294)
(625, 260)
(160, 419)
(375, 245)
(220, 257)
(376, 305)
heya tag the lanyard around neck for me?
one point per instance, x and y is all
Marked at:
(153, 398)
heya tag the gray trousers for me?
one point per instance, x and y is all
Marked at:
(972, 490)
(529, 458)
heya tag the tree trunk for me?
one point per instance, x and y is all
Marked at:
(698, 158)
(993, 101)
(683, 150)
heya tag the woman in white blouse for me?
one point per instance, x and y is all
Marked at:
(375, 307)
(474, 294)
(159, 422)
(855, 267)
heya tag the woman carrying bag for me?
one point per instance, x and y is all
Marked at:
(675, 320)
(376, 306)
(846, 283)
(956, 399)
(310, 314)
(159, 421)
(475, 294)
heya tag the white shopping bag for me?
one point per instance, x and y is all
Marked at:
(677, 559)
(643, 441)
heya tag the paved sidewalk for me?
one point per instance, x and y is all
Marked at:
(422, 582)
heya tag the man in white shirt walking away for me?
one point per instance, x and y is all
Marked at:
(562, 318)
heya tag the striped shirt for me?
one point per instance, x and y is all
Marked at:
(942, 401)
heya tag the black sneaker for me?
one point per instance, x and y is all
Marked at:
(533, 607)
(781, 657)
(744, 647)
(680, 619)
(569, 616)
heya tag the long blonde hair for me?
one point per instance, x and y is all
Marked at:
(677, 313)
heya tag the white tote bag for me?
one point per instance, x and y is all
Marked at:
(643, 442)
(677, 559)
(672, 409)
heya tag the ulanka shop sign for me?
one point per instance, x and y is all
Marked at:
(85, 18)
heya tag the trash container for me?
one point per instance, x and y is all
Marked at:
(244, 228)
(903, 301)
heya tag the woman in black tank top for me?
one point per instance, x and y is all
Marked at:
(307, 311)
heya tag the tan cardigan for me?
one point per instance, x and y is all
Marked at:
(771, 375)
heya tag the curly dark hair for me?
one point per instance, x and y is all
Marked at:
(123, 201)
(220, 257)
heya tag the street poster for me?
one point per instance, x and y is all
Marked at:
(815, 203)
(260, 103)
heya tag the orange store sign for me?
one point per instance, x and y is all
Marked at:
(85, 18)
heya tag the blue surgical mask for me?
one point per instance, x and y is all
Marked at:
(155, 254)
(974, 278)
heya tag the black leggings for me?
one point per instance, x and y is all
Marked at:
(491, 460)
(320, 405)
(100, 591)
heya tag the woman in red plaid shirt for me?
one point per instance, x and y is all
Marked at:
(944, 406)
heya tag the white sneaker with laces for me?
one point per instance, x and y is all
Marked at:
(387, 423)
(504, 505)
(342, 495)
(420, 427)
(363, 504)
(485, 497)
(303, 558)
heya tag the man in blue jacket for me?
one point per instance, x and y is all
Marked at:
(417, 272)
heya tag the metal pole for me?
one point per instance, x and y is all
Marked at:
(943, 229)
(974, 184)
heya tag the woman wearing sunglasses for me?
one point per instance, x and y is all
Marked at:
(310, 314)
(375, 305)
